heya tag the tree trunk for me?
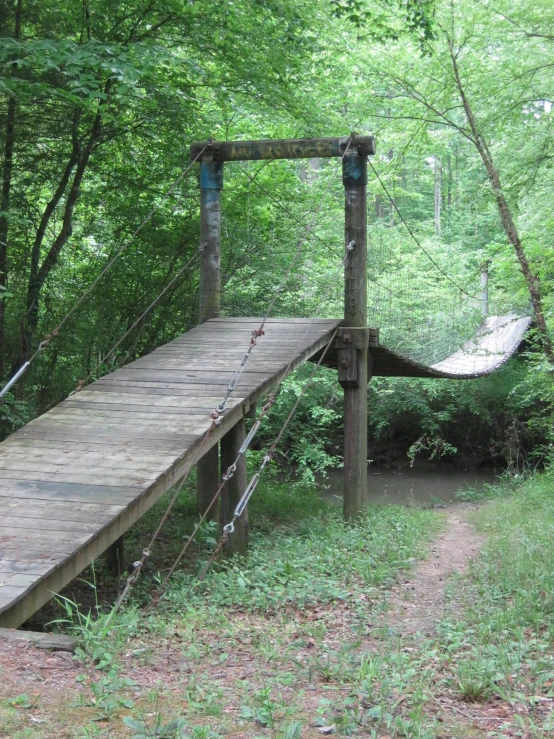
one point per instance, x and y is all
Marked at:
(449, 182)
(78, 161)
(437, 171)
(506, 218)
(7, 171)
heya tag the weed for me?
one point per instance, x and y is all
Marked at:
(475, 681)
(203, 696)
(319, 560)
(156, 729)
(20, 701)
(107, 698)
(100, 635)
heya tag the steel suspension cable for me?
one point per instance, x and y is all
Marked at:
(152, 305)
(139, 564)
(46, 341)
(414, 237)
(260, 331)
(243, 502)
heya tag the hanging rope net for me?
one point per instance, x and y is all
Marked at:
(423, 294)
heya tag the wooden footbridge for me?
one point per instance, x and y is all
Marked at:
(75, 479)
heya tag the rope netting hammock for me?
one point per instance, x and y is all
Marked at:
(423, 293)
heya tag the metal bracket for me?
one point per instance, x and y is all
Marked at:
(348, 368)
(348, 342)
(353, 338)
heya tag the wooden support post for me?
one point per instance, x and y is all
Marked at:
(230, 445)
(353, 374)
(115, 557)
(211, 184)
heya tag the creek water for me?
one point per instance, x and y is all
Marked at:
(425, 485)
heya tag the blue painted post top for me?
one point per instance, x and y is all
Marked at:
(354, 170)
(211, 175)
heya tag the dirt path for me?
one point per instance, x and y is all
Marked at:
(418, 602)
(307, 660)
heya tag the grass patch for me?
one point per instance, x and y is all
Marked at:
(248, 642)
(501, 641)
(303, 554)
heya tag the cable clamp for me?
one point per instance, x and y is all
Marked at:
(228, 528)
(270, 401)
(230, 472)
(351, 245)
(216, 417)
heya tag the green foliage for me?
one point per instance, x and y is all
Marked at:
(20, 701)
(504, 630)
(153, 78)
(318, 559)
(414, 17)
(156, 729)
(14, 413)
(100, 635)
(107, 696)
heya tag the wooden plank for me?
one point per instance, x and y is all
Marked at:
(110, 478)
(151, 403)
(82, 432)
(134, 418)
(153, 387)
(64, 491)
(53, 642)
(49, 509)
(10, 550)
(196, 376)
(54, 525)
(42, 442)
(98, 426)
(120, 459)
(10, 593)
(19, 579)
(73, 436)
(114, 469)
(126, 403)
(222, 367)
(31, 568)
(85, 464)
(43, 534)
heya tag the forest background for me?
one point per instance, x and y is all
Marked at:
(99, 103)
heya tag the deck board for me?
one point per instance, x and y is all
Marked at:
(75, 479)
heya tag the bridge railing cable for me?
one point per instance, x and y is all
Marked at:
(48, 338)
(153, 304)
(247, 494)
(139, 564)
(416, 240)
(260, 331)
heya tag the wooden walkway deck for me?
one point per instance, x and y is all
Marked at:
(75, 479)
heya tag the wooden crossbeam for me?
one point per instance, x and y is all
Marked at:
(240, 151)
